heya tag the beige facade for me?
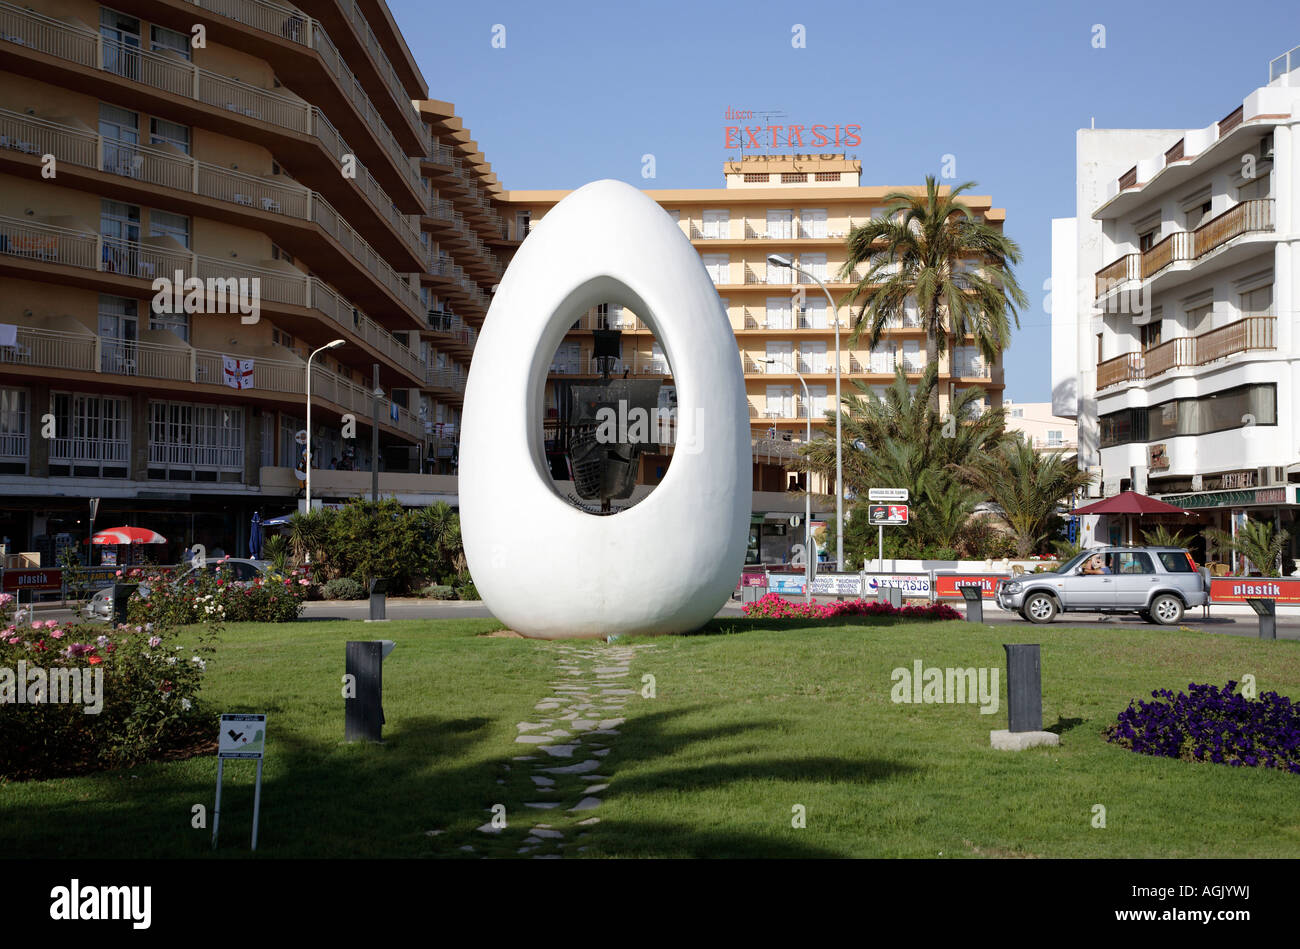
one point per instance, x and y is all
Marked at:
(802, 207)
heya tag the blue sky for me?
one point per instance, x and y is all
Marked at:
(578, 94)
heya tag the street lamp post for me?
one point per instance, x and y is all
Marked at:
(809, 548)
(307, 449)
(778, 261)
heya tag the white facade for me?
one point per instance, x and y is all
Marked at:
(1175, 303)
(1045, 431)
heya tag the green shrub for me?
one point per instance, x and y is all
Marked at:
(206, 597)
(343, 588)
(438, 591)
(467, 591)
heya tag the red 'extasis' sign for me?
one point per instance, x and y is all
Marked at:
(792, 136)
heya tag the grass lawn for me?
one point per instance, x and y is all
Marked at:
(749, 720)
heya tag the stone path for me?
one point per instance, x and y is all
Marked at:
(566, 742)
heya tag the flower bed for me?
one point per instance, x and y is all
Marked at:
(1216, 725)
(773, 606)
(80, 697)
(204, 597)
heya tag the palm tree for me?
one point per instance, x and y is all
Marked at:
(1257, 542)
(441, 526)
(1161, 536)
(920, 251)
(1028, 488)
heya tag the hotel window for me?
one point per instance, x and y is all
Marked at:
(568, 359)
(884, 356)
(162, 39)
(92, 436)
(289, 447)
(1147, 239)
(794, 177)
(1054, 439)
(119, 130)
(195, 442)
(13, 431)
(1257, 302)
(781, 356)
(913, 356)
(778, 275)
(778, 315)
(609, 316)
(172, 133)
(815, 264)
(523, 223)
(1017, 413)
(118, 333)
(814, 314)
(166, 224)
(812, 356)
(827, 176)
(1260, 187)
(812, 222)
(717, 224)
(780, 402)
(281, 338)
(1150, 336)
(778, 224)
(176, 323)
(1197, 214)
(817, 401)
(967, 362)
(756, 178)
(1200, 319)
(121, 42)
(279, 253)
(718, 267)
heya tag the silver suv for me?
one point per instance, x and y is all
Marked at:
(1157, 583)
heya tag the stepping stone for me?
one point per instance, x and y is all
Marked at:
(586, 804)
(543, 782)
(570, 717)
(560, 751)
(603, 670)
(532, 840)
(618, 691)
(542, 805)
(588, 821)
(583, 724)
(612, 722)
(488, 829)
(531, 726)
(580, 768)
(604, 731)
(549, 834)
(534, 740)
(525, 850)
(599, 754)
(559, 733)
(594, 788)
(524, 758)
(597, 777)
(468, 848)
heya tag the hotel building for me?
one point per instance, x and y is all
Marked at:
(233, 144)
(1175, 300)
(801, 207)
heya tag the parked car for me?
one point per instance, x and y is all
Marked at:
(100, 606)
(1156, 583)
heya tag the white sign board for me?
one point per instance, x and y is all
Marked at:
(912, 584)
(887, 494)
(242, 736)
(887, 515)
(837, 584)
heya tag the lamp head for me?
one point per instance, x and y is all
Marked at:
(776, 260)
(335, 344)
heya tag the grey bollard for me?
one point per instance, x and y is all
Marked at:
(1266, 610)
(891, 595)
(379, 601)
(974, 597)
(121, 595)
(752, 594)
(1024, 688)
(363, 711)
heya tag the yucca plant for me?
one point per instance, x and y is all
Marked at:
(1028, 488)
(1258, 542)
(924, 256)
(1161, 536)
(276, 550)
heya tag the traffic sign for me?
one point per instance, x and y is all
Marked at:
(887, 494)
(887, 515)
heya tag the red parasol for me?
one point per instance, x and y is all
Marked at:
(128, 535)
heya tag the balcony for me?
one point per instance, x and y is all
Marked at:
(25, 239)
(1251, 333)
(1190, 247)
(448, 380)
(262, 115)
(82, 351)
(263, 204)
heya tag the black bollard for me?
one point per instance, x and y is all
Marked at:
(379, 601)
(363, 710)
(121, 595)
(1024, 688)
(1266, 610)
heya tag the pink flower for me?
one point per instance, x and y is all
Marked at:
(57, 634)
(154, 641)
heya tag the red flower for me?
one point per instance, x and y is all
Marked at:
(96, 660)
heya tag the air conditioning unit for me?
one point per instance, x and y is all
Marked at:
(1270, 475)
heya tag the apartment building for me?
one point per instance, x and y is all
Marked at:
(159, 158)
(801, 207)
(1036, 423)
(1175, 303)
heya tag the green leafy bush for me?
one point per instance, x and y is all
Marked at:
(201, 597)
(343, 588)
(137, 691)
(438, 591)
(467, 591)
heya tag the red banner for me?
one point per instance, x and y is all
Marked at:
(945, 584)
(1240, 589)
(15, 580)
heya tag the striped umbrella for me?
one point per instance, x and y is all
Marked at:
(128, 535)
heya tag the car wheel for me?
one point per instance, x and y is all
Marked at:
(1166, 609)
(1040, 608)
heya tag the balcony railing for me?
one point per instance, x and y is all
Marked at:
(1249, 333)
(1254, 216)
(156, 166)
(86, 48)
(50, 244)
(57, 349)
(451, 379)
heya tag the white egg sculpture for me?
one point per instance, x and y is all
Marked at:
(667, 564)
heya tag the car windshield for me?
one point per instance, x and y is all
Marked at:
(1076, 561)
